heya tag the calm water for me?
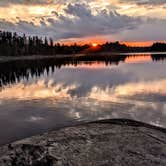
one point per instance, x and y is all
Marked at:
(38, 95)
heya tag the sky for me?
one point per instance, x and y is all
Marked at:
(69, 21)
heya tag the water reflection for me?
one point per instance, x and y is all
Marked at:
(138, 59)
(38, 95)
(11, 72)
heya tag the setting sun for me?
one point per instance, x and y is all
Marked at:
(94, 44)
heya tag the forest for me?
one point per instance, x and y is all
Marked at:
(12, 44)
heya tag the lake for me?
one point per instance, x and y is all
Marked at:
(37, 95)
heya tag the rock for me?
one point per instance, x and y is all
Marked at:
(109, 142)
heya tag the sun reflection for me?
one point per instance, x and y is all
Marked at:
(138, 59)
(93, 65)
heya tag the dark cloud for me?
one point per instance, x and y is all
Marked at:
(78, 10)
(145, 2)
(86, 24)
(151, 30)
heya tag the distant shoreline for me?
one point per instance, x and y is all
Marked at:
(61, 56)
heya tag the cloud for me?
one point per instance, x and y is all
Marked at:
(45, 2)
(145, 2)
(77, 21)
(150, 30)
(7, 2)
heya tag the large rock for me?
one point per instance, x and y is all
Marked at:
(111, 142)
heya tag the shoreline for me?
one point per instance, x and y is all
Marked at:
(125, 122)
(94, 142)
(61, 56)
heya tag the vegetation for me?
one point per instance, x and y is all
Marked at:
(14, 71)
(11, 44)
(159, 47)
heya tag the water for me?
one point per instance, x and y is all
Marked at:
(44, 94)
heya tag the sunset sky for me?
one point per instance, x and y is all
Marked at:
(132, 21)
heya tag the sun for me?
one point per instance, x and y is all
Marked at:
(94, 44)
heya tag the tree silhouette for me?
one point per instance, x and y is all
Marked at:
(11, 44)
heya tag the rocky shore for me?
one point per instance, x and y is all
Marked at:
(110, 142)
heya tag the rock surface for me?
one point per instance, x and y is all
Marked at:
(110, 142)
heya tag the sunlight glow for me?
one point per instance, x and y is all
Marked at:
(28, 13)
(94, 44)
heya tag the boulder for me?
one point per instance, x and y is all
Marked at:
(110, 142)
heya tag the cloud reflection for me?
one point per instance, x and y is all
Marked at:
(129, 90)
(43, 89)
(37, 90)
(139, 100)
(35, 119)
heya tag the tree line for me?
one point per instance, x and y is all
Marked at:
(12, 44)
